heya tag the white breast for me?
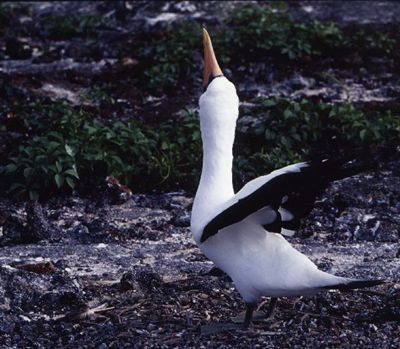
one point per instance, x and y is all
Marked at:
(262, 263)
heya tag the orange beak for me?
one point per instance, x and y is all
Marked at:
(211, 67)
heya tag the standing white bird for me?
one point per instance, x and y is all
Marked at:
(242, 233)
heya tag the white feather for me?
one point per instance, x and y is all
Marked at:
(260, 263)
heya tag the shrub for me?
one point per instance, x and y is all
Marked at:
(285, 131)
(77, 150)
(66, 26)
(253, 33)
(172, 56)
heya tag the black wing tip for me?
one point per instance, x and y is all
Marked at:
(337, 168)
(345, 286)
(206, 234)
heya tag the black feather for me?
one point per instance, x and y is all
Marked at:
(355, 284)
(301, 189)
(276, 225)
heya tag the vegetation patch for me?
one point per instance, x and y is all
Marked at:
(172, 56)
(53, 147)
(64, 27)
(76, 150)
(253, 33)
(264, 30)
(280, 131)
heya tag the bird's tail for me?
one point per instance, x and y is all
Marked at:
(349, 284)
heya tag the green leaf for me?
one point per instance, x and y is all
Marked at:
(33, 195)
(40, 158)
(56, 135)
(164, 145)
(288, 114)
(11, 168)
(70, 182)
(59, 180)
(269, 103)
(286, 142)
(72, 172)
(69, 150)
(14, 186)
(58, 166)
(28, 172)
(269, 135)
(91, 130)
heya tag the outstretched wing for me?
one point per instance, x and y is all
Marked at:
(280, 199)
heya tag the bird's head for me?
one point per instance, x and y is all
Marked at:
(219, 104)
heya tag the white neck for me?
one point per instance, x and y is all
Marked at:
(218, 114)
(216, 175)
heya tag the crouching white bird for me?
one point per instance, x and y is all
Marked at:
(242, 233)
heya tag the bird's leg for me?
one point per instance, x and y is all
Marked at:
(252, 315)
(271, 307)
(249, 314)
(237, 324)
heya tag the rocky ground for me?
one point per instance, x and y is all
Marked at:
(124, 272)
(119, 270)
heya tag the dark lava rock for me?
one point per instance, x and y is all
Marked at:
(142, 231)
(61, 301)
(6, 324)
(39, 227)
(14, 231)
(31, 291)
(17, 49)
(215, 271)
(325, 264)
(112, 192)
(182, 219)
(343, 200)
(39, 268)
(97, 225)
(391, 312)
(23, 288)
(298, 81)
(364, 234)
(127, 281)
(80, 233)
(145, 277)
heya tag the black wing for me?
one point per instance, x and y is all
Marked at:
(293, 192)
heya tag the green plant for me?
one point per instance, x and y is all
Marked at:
(252, 33)
(172, 56)
(179, 142)
(374, 42)
(78, 150)
(264, 30)
(258, 31)
(99, 94)
(285, 131)
(45, 163)
(65, 26)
